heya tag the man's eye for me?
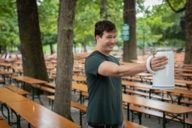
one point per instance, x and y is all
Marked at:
(109, 37)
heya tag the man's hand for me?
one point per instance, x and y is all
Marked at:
(158, 63)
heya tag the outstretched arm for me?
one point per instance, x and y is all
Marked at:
(108, 68)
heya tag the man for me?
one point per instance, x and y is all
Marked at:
(103, 77)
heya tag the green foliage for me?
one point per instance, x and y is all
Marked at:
(8, 23)
(160, 27)
(49, 38)
(176, 6)
(48, 13)
(87, 14)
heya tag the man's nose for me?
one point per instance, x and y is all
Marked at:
(113, 40)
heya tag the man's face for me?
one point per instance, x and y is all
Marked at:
(107, 41)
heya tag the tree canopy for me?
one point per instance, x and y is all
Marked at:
(158, 26)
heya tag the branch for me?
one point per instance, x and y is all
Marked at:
(173, 9)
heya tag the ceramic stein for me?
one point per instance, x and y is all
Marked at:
(165, 79)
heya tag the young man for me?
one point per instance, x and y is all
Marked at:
(103, 78)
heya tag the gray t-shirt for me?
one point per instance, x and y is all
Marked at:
(105, 93)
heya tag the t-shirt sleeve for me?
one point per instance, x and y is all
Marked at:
(92, 65)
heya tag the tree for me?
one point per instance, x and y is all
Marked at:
(48, 13)
(64, 58)
(129, 17)
(103, 9)
(8, 23)
(188, 31)
(185, 5)
(31, 47)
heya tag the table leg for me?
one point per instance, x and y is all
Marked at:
(164, 120)
(183, 120)
(128, 113)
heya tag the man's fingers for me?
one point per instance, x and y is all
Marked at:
(158, 63)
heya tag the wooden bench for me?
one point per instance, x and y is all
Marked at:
(147, 95)
(82, 108)
(142, 110)
(17, 90)
(47, 89)
(3, 123)
(39, 116)
(129, 124)
(2, 81)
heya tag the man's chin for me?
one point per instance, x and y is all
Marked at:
(110, 50)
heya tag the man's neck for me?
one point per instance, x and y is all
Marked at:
(107, 54)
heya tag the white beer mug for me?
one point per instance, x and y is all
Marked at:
(165, 78)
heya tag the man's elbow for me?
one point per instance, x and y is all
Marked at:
(116, 72)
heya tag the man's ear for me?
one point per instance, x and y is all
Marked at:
(97, 37)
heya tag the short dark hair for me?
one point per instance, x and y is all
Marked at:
(104, 25)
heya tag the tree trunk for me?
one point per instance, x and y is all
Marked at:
(103, 9)
(129, 16)
(84, 46)
(51, 48)
(31, 47)
(188, 31)
(64, 58)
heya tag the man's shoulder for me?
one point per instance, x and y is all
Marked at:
(94, 54)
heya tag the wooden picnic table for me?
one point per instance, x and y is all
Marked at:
(180, 70)
(39, 116)
(166, 108)
(5, 65)
(136, 85)
(179, 93)
(169, 109)
(187, 83)
(7, 95)
(79, 78)
(31, 81)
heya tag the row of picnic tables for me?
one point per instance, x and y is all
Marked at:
(154, 104)
(167, 109)
(35, 114)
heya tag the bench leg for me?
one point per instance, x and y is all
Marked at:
(140, 117)
(164, 120)
(8, 112)
(80, 117)
(18, 121)
(29, 125)
(52, 104)
(183, 120)
(128, 111)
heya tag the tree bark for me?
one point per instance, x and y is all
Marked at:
(64, 58)
(51, 48)
(188, 31)
(103, 9)
(84, 46)
(31, 46)
(129, 16)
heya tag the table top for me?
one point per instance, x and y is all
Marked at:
(183, 92)
(29, 80)
(7, 95)
(158, 105)
(80, 87)
(2, 72)
(39, 116)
